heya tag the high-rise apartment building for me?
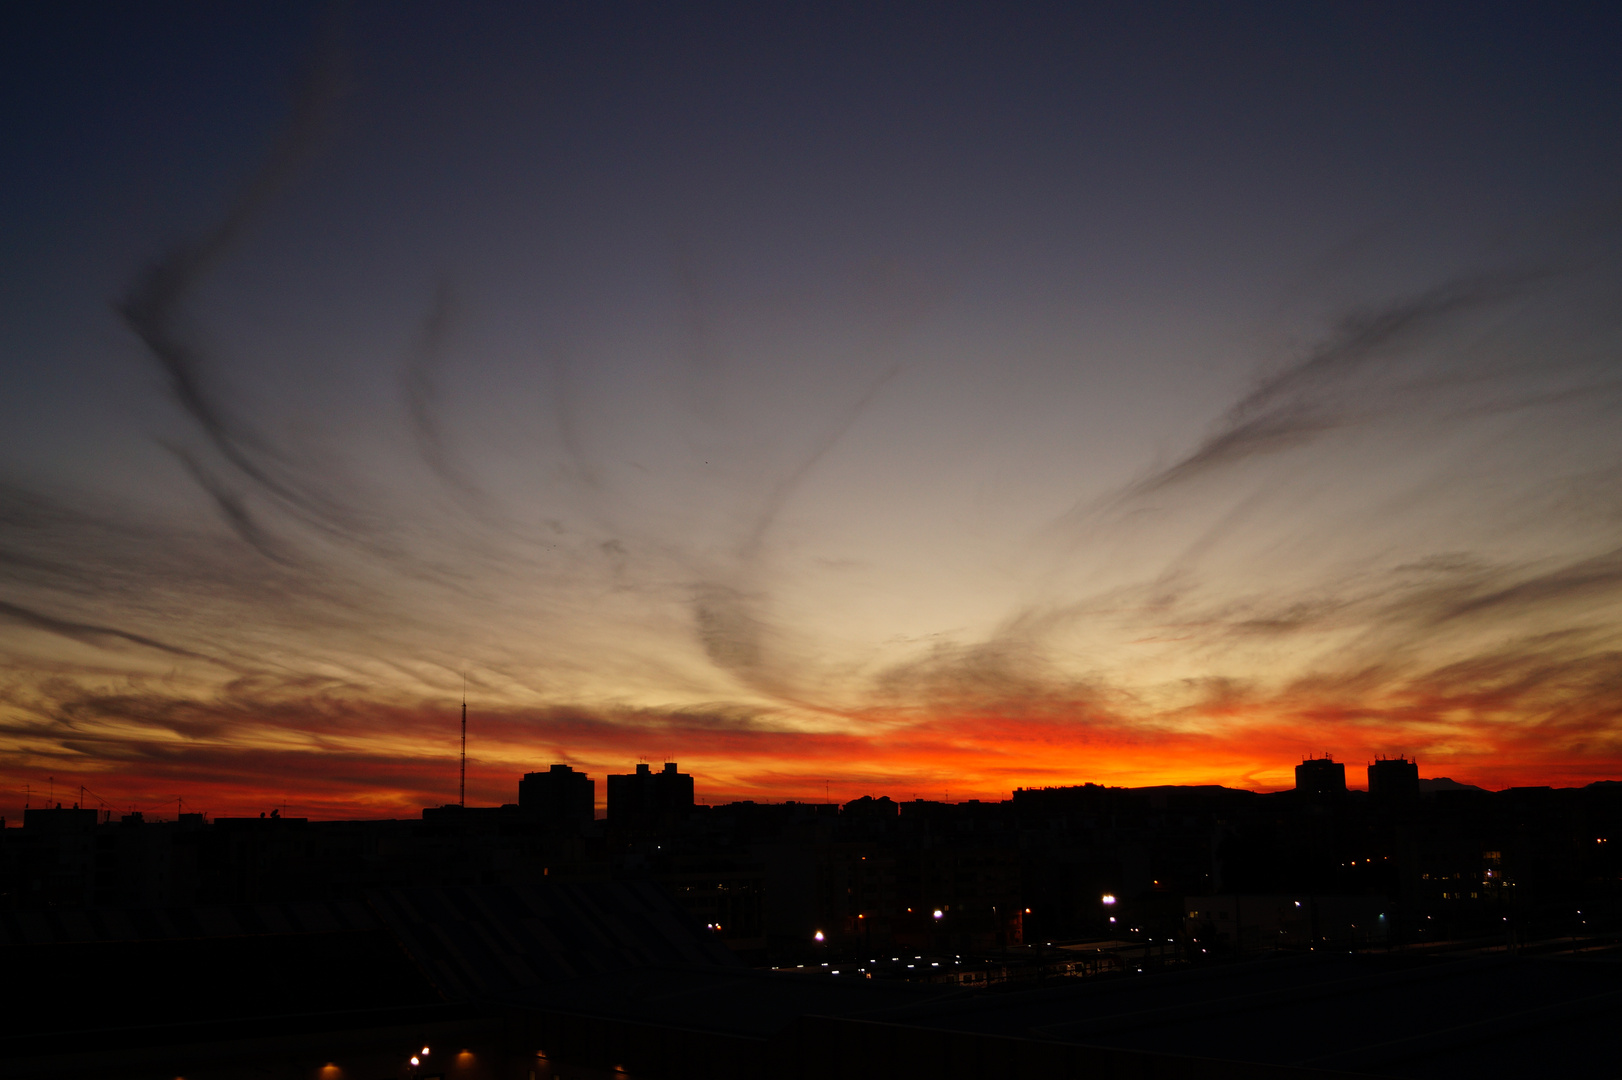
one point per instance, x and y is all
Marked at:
(1394, 779)
(1321, 776)
(560, 796)
(648, 800)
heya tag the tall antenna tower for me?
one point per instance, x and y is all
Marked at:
(461, 799)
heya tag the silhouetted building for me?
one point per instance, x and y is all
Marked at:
(58, 820)
(647, 800)
(814, 884)
(1394, 779)
(869, 807)
(1321, 776)
(475, 817)
(559, 797)
(61, 862)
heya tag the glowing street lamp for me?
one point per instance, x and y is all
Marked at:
(817, 936)
(937, 913)
(1109, 898)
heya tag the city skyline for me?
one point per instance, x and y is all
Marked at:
(911, 400)
(64, 792)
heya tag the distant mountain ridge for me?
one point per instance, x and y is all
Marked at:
(1446, 783)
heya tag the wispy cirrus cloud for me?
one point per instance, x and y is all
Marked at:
(773, 516)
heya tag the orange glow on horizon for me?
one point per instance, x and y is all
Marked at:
(952, 758)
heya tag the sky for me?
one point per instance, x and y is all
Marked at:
(912, 400)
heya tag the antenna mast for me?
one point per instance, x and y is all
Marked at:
(462, 797)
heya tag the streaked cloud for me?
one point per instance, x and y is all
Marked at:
(883, 464)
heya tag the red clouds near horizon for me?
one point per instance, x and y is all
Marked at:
(340, 759)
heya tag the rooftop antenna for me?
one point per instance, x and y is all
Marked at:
(461, 799)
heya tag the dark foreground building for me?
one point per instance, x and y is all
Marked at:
(608, 982)
(559, 797)
(647, 800)
(1081, 931)
(335, 990)
(1321, 777)
(1394, 780)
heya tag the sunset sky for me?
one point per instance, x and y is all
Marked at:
(883, 399)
